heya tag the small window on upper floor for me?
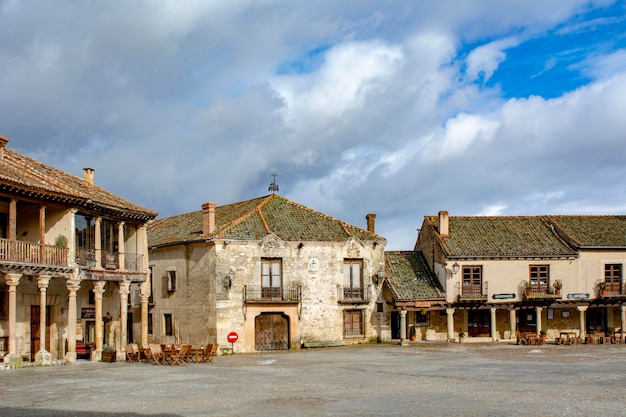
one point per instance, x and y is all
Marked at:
(171, 281)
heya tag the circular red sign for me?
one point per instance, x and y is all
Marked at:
(232, 337)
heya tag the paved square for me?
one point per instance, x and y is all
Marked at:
(369, 380)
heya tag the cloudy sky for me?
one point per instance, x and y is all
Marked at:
(400, 108)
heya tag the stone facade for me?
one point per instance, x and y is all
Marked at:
(220, 288)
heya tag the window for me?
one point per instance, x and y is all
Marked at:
(169, 329)
(352, 279)
(150, 323)
(171, 281)
(613, 277)
(271, 278)
(353, 323)
(539, 278)
(472, 280)
(422, 319)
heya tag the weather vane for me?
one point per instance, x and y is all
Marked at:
(273, 186)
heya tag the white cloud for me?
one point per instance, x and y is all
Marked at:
(484, 60)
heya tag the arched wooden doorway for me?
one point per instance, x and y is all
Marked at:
(271, 331)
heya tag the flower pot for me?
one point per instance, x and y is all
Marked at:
(109, 356)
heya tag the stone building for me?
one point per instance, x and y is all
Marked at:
(504, 275)
(277, 273)
(70, 255)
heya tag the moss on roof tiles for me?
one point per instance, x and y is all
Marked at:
(502, 236)
(247, 220)
(23, 174)
(409, 277)
(594, 231)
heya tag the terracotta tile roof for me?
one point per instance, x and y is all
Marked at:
(501, 236)
(253, 219)
(22, 175)
(409, 278)
(592, 231)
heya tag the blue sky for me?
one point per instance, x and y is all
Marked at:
(399, 108)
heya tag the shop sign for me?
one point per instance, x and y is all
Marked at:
(577, 296)
(88, 313)
(503, 296)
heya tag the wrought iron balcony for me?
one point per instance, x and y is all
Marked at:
(353, 294)
(257, 293)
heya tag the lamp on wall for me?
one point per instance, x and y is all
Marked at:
(455, 268)
(108, 317)
(380, 276)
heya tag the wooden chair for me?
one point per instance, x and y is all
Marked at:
(158, 357)
(182, 356)
(206, 353)
(213, 352)
(131, 355)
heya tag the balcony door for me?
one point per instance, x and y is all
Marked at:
(472, 281)
(271, 279)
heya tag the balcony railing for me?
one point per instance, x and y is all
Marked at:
(475, 293)
(541, 292)
(257, 293)
(612, 290)
(32, 253)
(353, 294)
(133, 262)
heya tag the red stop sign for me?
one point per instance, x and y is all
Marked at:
(232, 337)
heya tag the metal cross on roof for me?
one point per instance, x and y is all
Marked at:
(273, 186)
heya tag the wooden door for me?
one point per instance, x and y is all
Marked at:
(479, 323)
(271, 332)
(35, 330)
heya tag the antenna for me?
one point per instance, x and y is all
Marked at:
(273, 186)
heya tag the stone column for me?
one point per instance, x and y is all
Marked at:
(145, 298)
(124, 291)
(12, 358)
(539, 325)
(120, 246)
(43, 357)
(402, 327)
(450, 321)
(583, 322)
(72, 287)
(494, 329)
(98, 290)
(512, 319)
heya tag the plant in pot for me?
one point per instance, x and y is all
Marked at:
(528, 288)
(413, 333)
(461, 337)
(108, 354)
(602, 288)
(557, 287)
(542, 336)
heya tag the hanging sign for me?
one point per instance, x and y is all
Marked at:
(88, 313)
(577, 296)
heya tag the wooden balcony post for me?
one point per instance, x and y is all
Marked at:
(120, 246)
(42, 235)
(98, 242)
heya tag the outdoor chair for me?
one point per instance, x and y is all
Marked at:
(131, 355)
(181, 356)
(158, 357)
(206, 353)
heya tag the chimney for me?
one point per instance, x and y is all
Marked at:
(88, 175)
(444, 224)
(208, 218)
(3, 143)
(371, 222)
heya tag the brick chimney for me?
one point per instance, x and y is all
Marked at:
(371, 222)
(88, 175)
(3, 143)
(208, 218)
(444, 224)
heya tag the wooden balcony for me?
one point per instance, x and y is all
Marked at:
(612, 290)
(353, 295)
(16, 251)
(541, 293)
(473, 293)
(259, 294)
